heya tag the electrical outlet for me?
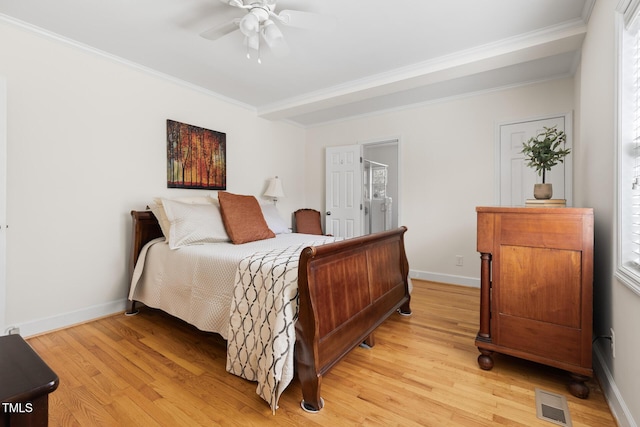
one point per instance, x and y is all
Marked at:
(613, 343)
(12, 330)
(459, 260)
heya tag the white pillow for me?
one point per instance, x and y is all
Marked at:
(274, 220)
(158, 210)
(194, 224)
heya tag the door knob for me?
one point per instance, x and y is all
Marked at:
(328, 212)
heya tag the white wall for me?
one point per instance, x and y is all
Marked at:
(446, 165)
(86, 144)
(615, 306)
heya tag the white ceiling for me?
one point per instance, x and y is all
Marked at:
(383, 54)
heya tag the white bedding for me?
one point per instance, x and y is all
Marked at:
(247, 292)
(195, 283)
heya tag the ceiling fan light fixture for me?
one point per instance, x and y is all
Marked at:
(252, 42)
(249, 24)
(271, 32)
(261, 20)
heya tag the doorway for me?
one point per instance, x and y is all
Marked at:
(377, 203)
(381, 192)
(345, 188)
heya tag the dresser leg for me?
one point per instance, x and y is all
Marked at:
(577, 386)
(485, 361)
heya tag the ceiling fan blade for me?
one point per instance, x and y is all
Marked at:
(221, 30)
(235, 3)
(307, 20)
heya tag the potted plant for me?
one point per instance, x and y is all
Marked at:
(543, 152)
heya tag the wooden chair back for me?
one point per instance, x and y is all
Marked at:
(308, 221)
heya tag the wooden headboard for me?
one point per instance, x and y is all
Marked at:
(144, 229)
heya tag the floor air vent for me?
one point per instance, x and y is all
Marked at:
(553, 408)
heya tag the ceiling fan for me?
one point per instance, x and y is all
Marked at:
(259, 22)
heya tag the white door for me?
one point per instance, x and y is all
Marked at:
(3, 201)
(516, 180)
(343, 191)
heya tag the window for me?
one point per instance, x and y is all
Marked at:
(628, 263)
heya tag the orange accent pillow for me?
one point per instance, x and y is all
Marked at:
(243, 218)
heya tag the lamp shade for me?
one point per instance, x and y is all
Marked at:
(275, 188)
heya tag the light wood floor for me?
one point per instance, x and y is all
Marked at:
(152, 369)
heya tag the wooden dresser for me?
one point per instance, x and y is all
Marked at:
(536, 288)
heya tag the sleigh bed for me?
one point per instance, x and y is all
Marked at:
(343, 290)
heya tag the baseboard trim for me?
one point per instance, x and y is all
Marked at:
(64, 320)
(616, 403)
(471, 282)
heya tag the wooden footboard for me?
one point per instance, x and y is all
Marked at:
(346, 289)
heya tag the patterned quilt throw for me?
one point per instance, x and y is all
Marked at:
(264, 309)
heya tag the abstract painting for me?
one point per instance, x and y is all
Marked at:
(196, 157)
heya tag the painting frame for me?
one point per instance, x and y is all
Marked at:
(196, 157)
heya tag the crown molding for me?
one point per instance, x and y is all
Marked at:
(113, 58)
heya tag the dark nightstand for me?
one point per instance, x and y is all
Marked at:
(25, 384)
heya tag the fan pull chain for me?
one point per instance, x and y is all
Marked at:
(259, 52)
